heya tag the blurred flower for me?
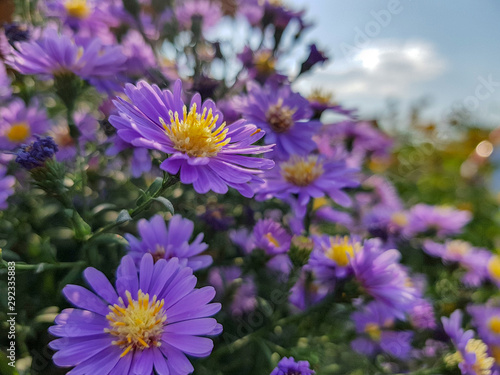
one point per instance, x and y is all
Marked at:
(243, 238)
(284, 115)
(37, 153)
(331, 257)
(382, 277)
(20, 123)
(288, 366)
(422, 315)
(207, 154)
(16, 33)
(307, 291)
(54, 54)
(307, 177)
(320, 101)
(140, 56)
(471, 356)
(376, 323)
(443, 220)
(315, 57)
(486, 319)
(216, 217)
(5, 89)
(6, 187)
(141, 160)
(271, 237)
(204, 12)
(126, 331)
(241, 289)
(474, 260)
(165, 243)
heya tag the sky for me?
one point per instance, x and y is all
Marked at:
(445, 51)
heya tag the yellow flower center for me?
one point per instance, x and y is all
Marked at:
(494, 324)
(457, 247)
(196, 134)
(18, 132)
(77, 8)
(373, 330)
(280, 117)
(264, 62)
(399, 218)
(301, 171)
(272, 239)
(340, 249)
(137, 326)
(483, 362)
(494, 267)
(319, 203)
(320, 96)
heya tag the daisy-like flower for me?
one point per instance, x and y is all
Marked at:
(206, 12)
(6, 187)
(55, 55)
(165, 243)
(375, 324)
(152, 319)
(486, 319)
(20, 123)
(331, 257)
(321, 101)
(472, 354)
(306, 178)
(206, 152)
(443, 220)
(289, 366)
(382, 276)
(307, 291)
(271, 237)
(284, 115)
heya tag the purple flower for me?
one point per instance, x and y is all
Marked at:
(141, 160)
(472, 354)
(54, 54)
(307, 291)
(288, 366)
(5, 90)
(205, 152)
(315, 57)
(154, 318)
(284, 116)
(37, 153)
(382, 277)
(165, 243)
(321, 101)
(140, 56)
(20, 123)
(486, 319)
(307, 177)
(6, 187)
(422, 315)
(474, 260)
(444, 220)
(206, 12)
(243, 238)
(260, 66)
(242, 288)
(331, 257)
(271, 237)
(16, 33)
(375, 323)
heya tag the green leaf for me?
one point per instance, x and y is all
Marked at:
(123, 217)
(168, 205)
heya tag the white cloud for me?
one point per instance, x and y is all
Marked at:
(384, 69)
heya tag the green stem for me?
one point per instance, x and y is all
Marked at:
(136, 211)
(43, 266)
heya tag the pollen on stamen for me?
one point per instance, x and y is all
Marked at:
(302, 171)
(139, 325)
(196, 134)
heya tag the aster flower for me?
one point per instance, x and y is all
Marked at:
(37, 153)
(486, 318)
(152, 319)
(443, 220)
(307, 178)
(20, 123)
(289, 366)
(164, 242)
(205, 152)
(6, 187)
(422, 315)
(55, 55)
(474, 260)
(321, 101)
(140, 56)
(331, 257)
(307, 291)
(5, 90)
(140, 161)
(382, 277)
(206, 12)
(271, 237)
(16, 33)
(375, 323)
(261, 65)
(472, 354)
(315, 57)
(283, 115)
(241, 289)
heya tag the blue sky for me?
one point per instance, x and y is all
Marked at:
(448, 51)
